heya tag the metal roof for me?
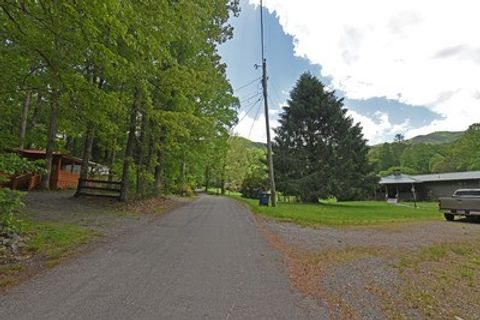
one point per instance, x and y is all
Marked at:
(434, 177)
(398, 179)
(449, 176)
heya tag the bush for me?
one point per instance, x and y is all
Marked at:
(10, 202)
(402, 170)
(252, 185)
(184, 190)
(12, 164)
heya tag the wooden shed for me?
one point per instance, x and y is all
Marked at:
(65, 169)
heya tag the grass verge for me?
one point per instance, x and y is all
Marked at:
(48, 242)
(54, 240)
(443, 281)
(352, 213)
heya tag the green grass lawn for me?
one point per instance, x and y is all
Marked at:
(54, 240)
(51, 241)
(347, 213)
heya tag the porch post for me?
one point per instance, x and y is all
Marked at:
(414, 196)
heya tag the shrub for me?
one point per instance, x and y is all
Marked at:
(10, 202)
(252, 185)
(12, 164)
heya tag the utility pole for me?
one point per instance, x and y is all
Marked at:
(267, 121)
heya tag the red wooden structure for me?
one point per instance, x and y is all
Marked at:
(65, 171)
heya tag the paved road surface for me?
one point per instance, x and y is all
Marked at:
(206, 260)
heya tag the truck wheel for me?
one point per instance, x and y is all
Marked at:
(449, 216)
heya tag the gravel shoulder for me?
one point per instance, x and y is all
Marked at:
(394, 236)
(384, 272)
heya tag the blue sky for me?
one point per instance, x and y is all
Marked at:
(289, 55)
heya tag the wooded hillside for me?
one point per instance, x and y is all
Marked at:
(438, 137)
(458, 153)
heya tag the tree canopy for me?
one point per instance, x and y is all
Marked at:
(136, 85)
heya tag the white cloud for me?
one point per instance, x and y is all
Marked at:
(376, 129)
(418, 52)
(255, 129)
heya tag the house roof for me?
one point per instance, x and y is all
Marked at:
(435, 177)
(449, 176)
(398, 179)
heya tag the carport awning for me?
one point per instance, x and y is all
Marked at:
(398, 179)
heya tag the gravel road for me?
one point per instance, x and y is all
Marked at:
(205, 260)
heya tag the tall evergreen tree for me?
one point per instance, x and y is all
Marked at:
(319, 152)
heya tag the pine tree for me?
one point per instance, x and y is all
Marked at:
(318, 151)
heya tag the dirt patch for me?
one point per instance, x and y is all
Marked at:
(152, 206)
(381, 271)
(108, 216)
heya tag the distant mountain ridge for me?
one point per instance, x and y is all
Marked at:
(438, 137)
(249, 143)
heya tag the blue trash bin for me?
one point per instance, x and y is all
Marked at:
(264, 199)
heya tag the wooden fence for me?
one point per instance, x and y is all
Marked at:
(98, 188)
(26, 181)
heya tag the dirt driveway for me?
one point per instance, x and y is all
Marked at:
(428, 270)
(104, 214)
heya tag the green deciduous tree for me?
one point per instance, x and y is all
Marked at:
(128, 84)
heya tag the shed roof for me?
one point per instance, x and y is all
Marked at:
(435, 177)
(38, 154)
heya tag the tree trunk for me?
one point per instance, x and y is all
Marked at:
(129, 149)
(158, 173)
(52, 133)
(183, 174)
(151, 146)
(222, 178)
(36, 111)
(207, 178)
(140, 190)
(87, 152)
(113, 156)
(23, 123)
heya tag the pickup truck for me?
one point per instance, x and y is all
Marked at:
(463, 202)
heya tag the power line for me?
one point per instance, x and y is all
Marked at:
(251, 108)
(253, 123)
(271, 100)
(249, 104)
(247, 100)
(232, 129)
(247, 84)
(275, 91)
